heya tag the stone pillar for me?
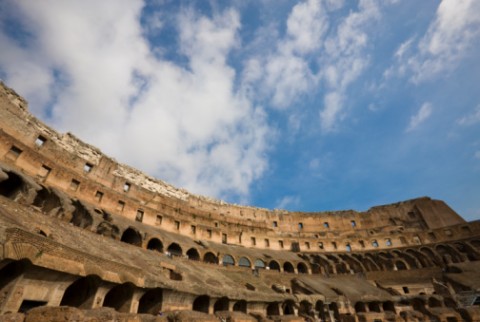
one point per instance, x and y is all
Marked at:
(100, 295)
(137, 294)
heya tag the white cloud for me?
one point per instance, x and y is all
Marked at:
(423, 114)
(471, 119)
(447, 40)
(184, 124)
(287, 201)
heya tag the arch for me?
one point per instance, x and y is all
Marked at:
(81, 293)
(320, 308)
(228, 260)
(388, 306)
(400, 265)
(119, 297)
(288, 267)
(201, 303)
(288, 307)
(174, 249)
(447, 252)
(305, 309)
(273, 265)
(193, 254)
(155, 244)
(12, 186)
(221, 304)
(273, 309)
(81, 217)
(240, 306)
(151, 301)
(210, 258)
(374, 307)
(259, 263)
(468, 251)
(360, 307)
(422, 259)
(302, 268)
(244, 262)
(131, 236)
(430, 254)
(11, 272)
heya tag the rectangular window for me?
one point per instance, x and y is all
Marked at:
(275, 224)
(280, 243)
(300, 225)
(320, 245)
(126, 187)
(334, 244)
(98, 196)
(158, 221)
(40, 141)
(307, 245)
(209, 233)
(177, 225)
(193, 229)
(432, 236)
(74, 185)
(139, 216)
(253, 241)
(348, 248)
(224, 238)
(374, 243)
(403, 240)
(388, 242)
(14, 153)
(362, 243)
(405, 290)
(353, 223)
(120, 205)
(44, 171)
(326, 225)
(88, 167)
(267, 243)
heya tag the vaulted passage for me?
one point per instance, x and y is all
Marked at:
(193, 254)
(151, 302)
(48, 201)
(272, 309)
(10, 273)
(175, 250)
(81, 217)
(81, 293)
(221, 305)
(210, 258)
(201, 303)
(119, 297)
(240, 306)
(288, 267)
(131, 236)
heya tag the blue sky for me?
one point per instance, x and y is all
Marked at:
(301, 105)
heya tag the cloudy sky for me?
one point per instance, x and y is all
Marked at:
(301, 105)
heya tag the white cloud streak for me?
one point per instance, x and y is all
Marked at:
(420, 117)
(184, 124)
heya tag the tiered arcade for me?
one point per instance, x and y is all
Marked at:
(82, 233)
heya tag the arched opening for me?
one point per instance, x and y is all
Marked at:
(400, 265)
(388, 306)
(108, 230)
(81, 293)
(448, 254)
(155, 244)
(306, 309)
(221, 304)
(288, 267)
(119, 297)
(320, 308)
(11, 187)
(360, 307)
(10, 273)
(201, 303)
(47, 200)
(302, 268)
(334, 308)
(374, 307)
(193, 254)
(210, 258)
(244, 262)
(431, 255)
(240, 306)
(175, 250)
(273, 309)
(131, 236)
(420, 257)
(288, 307)
(468, 251)
(273, 265)
(228, 260)
(151, 302)
(81, 216)
(259, 263)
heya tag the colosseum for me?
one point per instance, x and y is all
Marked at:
(85, 238)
